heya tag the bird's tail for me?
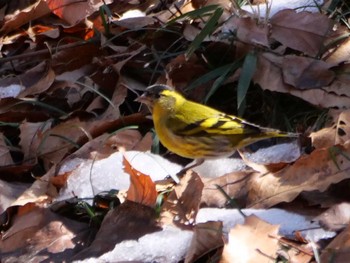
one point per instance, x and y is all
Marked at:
(271, 133)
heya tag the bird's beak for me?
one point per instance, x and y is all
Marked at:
(143, 99)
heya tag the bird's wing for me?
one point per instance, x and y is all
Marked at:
(219, 124)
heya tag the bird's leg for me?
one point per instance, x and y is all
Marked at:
(184, 170)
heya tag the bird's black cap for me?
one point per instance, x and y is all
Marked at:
(156, 89)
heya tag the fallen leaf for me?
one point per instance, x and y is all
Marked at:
(30, 13)
(58, 141)
(314, 172)
(317, 171)
(295, 251)
(272, 158)
(307, 33)
(324, 138)
(129, 221)
(9, 193)
(39, 80)
(74, 11)
(34, 81)
(248, 30)
(254, 241)
(31, 136)
(235, 184)
(339, 249)
(180, 72)
(42, 235)
(341, 53)
(269, 76)
(181, 206)
(142, 189)
(206, 237)
(306, 73)
(342, 134)
(339, 133)
(335, 218)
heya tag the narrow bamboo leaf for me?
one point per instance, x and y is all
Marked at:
(213, 74)
(218, 82)
(201, 12)
(209, 28)
(248, 70)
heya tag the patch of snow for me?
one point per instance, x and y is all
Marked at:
(167, 246)
(10, 91)
(89, 177)
(289, 222)
(275, 6)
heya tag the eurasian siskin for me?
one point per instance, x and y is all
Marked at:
(196, 131)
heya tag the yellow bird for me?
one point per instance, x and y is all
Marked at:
(196, 131)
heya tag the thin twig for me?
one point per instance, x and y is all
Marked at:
(43, 52)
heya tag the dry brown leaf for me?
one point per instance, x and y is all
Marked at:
(269, 76)
(316, 171)
(30, 13)
(206, 237)
(341, 83)
(118, 97)
(248, 31)
(182, 205)
(9, 193)
(324, 138)
(44, 30)
(306, 73)
(38, 79)
(180, 72)
(142, 189)
(342, 134)
(296, 252)
(234, 184)
(17, 172)
(31, 135)
(74, 58)
(104, 145)
(145, 143)
(336, 134)
(41, 235)
(39, 192)
(335, 218)
(58, 141)
(129, 221)
(341, 54)
(303, 31)
(273, 158)
(254, 241)
(338, 251)
(60, 180)
(74, 11)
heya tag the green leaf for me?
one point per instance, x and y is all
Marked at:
(213, 74)
(248, 70)
(224, 75)
(198, 13)
(209, 28)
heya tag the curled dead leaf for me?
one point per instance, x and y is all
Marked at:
(254, 241)
(142, 189)
(181, 207)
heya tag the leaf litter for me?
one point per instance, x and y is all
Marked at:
(68, 119)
